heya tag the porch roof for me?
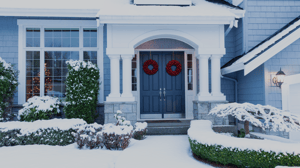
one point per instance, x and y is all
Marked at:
(95, 8)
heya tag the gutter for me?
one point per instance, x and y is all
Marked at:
(232, 23)
(236, 84)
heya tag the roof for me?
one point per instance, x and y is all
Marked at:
(267, 48)
(90, 8)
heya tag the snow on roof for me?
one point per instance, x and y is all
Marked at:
(266, 45)
(122, 7)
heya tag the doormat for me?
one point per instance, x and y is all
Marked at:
(163, 121)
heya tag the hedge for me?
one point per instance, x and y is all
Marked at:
(243, 158)
(47, 136)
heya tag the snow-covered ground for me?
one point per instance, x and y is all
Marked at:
(154, 151)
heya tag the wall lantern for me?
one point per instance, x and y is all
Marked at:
(279, 78)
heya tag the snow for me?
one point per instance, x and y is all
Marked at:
(118, 130)
(266, 117)
(5, 64)
(30, 127)
(140, 126)
(154, 151)
(125, 7)
(77, 64)
(43, 103)
(273, 137)
(201, 131)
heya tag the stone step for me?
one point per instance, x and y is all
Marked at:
(168, 127)
(167, 130)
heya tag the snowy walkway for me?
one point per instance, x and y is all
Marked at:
(159, 151)
(154, 151)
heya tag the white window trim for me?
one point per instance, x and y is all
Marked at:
(81, 24)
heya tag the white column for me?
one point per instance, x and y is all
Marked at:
(127, 94)
(216, 78)
(114, 78)
(204, 94)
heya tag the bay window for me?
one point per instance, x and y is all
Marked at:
(44, 48)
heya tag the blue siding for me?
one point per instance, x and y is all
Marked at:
(289, 61)
(9, 43)
(263, 18)
(251, 86)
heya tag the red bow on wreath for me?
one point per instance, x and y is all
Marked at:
(147, 70)
(178, 68)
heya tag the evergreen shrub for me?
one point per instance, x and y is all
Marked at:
(243, 158)
(140, 130)
(8, 85)
(82, 88)
(39, 108)
(47, 136)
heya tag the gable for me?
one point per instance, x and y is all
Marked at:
(265, 50)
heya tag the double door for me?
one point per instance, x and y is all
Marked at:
(162, 95)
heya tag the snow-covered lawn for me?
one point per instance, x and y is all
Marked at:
(154, 151)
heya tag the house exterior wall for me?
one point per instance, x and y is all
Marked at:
(9, 43)
(263, 18)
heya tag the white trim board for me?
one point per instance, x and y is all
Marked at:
(276, 48)
(90, 13)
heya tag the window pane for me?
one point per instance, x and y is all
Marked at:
(32, 37)
(190, 71)
(90, 37)
(56, 71)
(61, 37)
(134, 74)
(32, 74)
(90, 56)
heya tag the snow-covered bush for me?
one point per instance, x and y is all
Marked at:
(39, 108)
(47, 132)
(140, 130)
(111, 136)
(116, 137)
(8, 85)
(89, 136)
(121, 120)
(82, 88)
(266, 117)
(240, 152)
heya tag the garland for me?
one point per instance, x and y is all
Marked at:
(178, 68)
(147, 70)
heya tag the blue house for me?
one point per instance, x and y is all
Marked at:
(159, 60)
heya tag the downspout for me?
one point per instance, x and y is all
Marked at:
(236, 89)
(236, 84)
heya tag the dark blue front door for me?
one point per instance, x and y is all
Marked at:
(162, 95)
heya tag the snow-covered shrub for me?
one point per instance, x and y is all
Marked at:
(39, 108)
(8, 85)
(240, 152)
(82, 88)
(121, 120)
(266, 117)
(111, 136)
(47, 132)
(140, 130)
(116, 137)
(89, 136)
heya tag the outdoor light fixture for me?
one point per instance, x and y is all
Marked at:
(279, 78)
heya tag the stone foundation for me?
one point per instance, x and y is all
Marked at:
(202, 108)
(128, 109)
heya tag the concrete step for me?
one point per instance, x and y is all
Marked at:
(170, 127)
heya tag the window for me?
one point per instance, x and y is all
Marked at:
(134, 74)
(190, 71)
(47, 47)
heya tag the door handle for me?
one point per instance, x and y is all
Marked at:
(164, 94)
(160, 94)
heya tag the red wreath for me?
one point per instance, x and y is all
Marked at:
(146, 65)
(178, 68)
